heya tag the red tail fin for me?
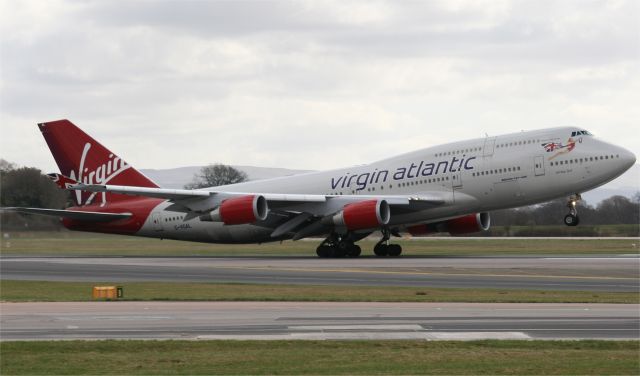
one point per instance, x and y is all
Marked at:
(84, 159)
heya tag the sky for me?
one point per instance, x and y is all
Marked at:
(311, 85)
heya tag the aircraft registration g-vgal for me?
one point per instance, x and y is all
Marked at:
(446, 188)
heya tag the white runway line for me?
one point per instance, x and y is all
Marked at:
(471, 336)
(613, 258)
(428, 336)
(357, 327)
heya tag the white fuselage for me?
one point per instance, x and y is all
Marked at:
(476, 175)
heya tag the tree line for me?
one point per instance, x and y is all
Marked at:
(611, 211)
(27, 186)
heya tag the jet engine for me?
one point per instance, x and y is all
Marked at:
(239, 210)
(456, 226)
(363, 215)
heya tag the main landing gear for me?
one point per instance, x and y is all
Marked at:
(335, 246)
(383, 248)
(344, 246)
(572, 218)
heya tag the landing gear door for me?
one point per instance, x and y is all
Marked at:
(156, 218)
(538, 165)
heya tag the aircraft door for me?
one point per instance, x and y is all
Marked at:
(157, 221)
(489, 145)
(457, 180)
(538, 165)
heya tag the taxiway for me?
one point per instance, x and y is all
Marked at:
(594, 273)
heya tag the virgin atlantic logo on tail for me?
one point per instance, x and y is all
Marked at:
(100, 174)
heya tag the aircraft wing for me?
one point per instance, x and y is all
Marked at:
(190, 197)
(71, 214)
(301, 214)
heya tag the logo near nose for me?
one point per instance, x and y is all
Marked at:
(559, 148)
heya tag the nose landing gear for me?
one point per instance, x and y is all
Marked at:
(572, 218)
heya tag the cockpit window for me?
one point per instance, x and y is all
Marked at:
(580, 133)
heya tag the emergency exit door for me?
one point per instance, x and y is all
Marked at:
(538, 165)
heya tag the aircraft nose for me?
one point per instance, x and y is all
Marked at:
(627, 158)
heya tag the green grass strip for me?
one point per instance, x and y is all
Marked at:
(24, 291)
(87, 244)
(321, 357)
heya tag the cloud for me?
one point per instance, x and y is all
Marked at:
(311, 84)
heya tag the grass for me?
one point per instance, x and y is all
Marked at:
(321, 357)
(25, 291)
(86, 244)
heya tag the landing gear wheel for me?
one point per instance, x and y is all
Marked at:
(353, 250)
(340, 250)
(323, 251)
(381, 250)
(394, 250)
(338, 246)
(571, 220)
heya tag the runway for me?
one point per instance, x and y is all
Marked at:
(316, 321)
(605, 273)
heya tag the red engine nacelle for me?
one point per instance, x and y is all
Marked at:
(457, 226)
(240, 210)
(363, 215)
(469, 223)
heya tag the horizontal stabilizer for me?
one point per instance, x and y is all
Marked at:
(72, 214)
(63, 182)
(170, 194)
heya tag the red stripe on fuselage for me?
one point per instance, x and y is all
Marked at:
(140, 208)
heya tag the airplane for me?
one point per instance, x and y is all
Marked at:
(446, 188)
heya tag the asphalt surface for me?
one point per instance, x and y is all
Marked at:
(595, 273)
(286, 320)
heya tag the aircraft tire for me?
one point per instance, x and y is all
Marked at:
(381, 250)
(394, 250)
(571, 220)
(340, 250)
(323, 251)
(354, 250)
